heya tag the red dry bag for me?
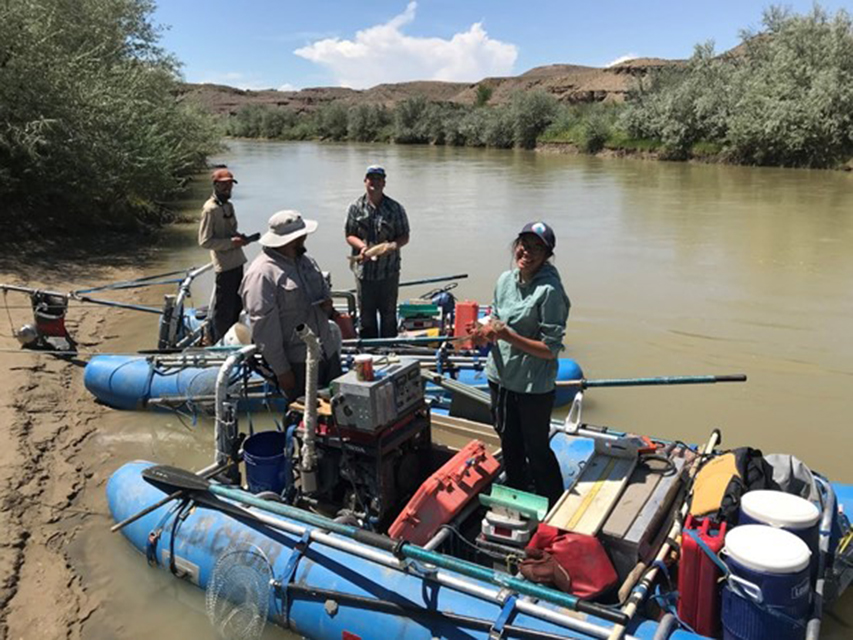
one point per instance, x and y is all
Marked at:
(590, 571)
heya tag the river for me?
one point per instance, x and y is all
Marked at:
(672, 269)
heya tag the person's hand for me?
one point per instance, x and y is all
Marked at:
(360, 255)
(287, 381)
(498, 330)
(238, 241)
(392, 246)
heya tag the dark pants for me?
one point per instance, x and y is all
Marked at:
(227, 304)
(329, 369)
(523, 421)
(378, 297)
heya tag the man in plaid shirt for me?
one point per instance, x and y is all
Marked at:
(372, 219)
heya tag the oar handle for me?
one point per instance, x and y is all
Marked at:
(411, 283)
(639, 382)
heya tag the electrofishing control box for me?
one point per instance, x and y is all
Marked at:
(372, 405)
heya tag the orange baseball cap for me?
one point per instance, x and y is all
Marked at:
(223, 175)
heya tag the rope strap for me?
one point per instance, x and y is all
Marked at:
(497, 630)
(290, 571)
(708, 552)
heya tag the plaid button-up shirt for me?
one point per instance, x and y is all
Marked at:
(374, 225)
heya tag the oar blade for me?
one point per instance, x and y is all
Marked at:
(170, 478)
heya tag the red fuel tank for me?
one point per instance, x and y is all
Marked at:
(445, 492)
(466, 313)
(698, 576)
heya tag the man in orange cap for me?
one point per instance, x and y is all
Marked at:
(218, 233)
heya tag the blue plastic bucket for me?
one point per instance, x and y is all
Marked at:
(784, 511)
(768, 594)
(267, 466)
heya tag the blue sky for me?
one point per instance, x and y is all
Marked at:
(263, 44)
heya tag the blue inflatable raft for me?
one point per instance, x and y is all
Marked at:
(326, 585)
(140, 382)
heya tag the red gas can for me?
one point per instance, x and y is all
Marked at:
(698, 576)
(466, 313)
(445, 493)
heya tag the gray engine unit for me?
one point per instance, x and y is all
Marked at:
(370, 406)
(375, 447)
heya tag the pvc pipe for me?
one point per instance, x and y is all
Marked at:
(308, 463)
(225, 433)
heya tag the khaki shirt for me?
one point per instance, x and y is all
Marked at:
(279, 294)
(218, 226)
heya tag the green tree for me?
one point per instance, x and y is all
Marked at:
(90, 129)
(484, 94)
(796, 106)
(786, 99)
(407, 120)
(531, 113)
(331, 121)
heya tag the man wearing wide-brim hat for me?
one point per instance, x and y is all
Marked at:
(282, 289)
(218, 233)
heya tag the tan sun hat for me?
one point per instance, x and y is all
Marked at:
(285, 227)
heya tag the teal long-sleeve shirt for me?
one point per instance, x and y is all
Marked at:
(537, 310)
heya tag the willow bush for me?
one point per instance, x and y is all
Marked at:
(91, 132)
(413, 121)
(786, 100)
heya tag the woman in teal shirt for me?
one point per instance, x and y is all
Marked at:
(527, 326)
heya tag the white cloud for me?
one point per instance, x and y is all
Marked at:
(287, 87)
(621, 59)
(383, 53)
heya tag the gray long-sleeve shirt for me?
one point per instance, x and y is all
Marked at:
(279, 294)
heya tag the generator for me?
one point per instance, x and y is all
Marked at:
(48, 330)
(373, 443)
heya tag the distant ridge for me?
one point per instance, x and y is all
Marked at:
(567, 82)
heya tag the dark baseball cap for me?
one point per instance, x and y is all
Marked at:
(375, 170)
(545, 233)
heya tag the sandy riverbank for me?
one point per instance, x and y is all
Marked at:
(47, 418)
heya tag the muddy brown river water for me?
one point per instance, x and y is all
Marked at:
(672, 269)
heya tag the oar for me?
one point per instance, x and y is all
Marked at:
(144, 281)
(172, 496)
(412, 283)
(639, 382)
(173, 478)
(379, 342)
